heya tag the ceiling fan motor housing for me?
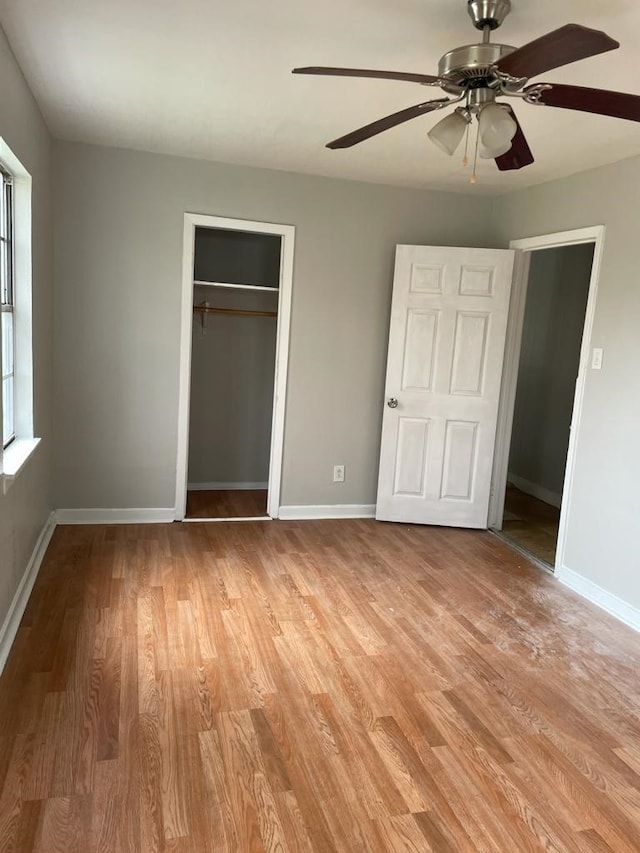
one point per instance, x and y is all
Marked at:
(470, 66)
(488, 13)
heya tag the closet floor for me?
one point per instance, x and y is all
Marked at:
(227, 504)
(532, 524)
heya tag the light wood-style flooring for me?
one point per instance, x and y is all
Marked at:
(314, 686)
(532, 524)
(232, 503)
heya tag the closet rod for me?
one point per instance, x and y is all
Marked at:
(240, 311)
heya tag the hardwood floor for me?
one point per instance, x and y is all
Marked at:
(232, 503)
(313, 686)
(532, 524)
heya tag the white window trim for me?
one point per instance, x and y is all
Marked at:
(15, 456)
(13, 459)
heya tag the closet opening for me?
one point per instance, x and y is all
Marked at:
(239, 290)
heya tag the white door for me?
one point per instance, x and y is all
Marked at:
(444, 367)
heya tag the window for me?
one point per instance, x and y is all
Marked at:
(16, 334)
(7, 307)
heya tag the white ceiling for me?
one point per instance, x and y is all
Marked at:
(211, 79)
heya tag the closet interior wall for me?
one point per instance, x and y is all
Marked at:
(233, 359)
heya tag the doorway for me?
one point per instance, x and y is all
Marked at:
(237, 280)
(545, 368)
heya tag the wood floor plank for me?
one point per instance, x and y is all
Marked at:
(104, 807)
(109, 722)
(130, 758)
(173, 772)
(343, 686)
(257, 827)
(64, 826)
(222, 810)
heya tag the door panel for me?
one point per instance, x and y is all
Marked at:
(469, 353)
(422, 333)
(446, 345)
(411, 456)
(460, 456)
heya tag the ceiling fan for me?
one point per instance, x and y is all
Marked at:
(476, 75)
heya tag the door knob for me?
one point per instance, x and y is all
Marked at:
(392, 403)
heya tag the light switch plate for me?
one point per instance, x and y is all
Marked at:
(596, 358)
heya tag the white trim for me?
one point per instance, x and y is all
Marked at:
(226, 487)
(153, 515)
(18, 605)
(216, 520)
(287, 233)
(23, 308)
(560, 238)
(535, 490)
(302, 513)
(594, 593)
(14, 458)
(595, 235)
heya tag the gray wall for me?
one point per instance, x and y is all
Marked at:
(232, 377)
(602, 535)
(549, 360)
(118, 256)
(24, 510)
(118, 240)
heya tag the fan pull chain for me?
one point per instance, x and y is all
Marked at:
(465, 159)
(474, 179)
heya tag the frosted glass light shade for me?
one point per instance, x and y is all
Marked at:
(492, 153)
(448, 133)
(497, 129)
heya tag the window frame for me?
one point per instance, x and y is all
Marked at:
(7, 290)
(14, 456)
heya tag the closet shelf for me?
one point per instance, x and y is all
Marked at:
(226, 285)
(203, 309)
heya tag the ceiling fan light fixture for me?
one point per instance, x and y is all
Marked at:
(497, 129)
(492, 153)
(447, 134)
(477, 74)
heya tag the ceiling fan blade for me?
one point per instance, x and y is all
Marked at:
(387, 122)
(426, 79)
(560, 47)
(519, 155)
(599, 101)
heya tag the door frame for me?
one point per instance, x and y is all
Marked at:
(524, 247)
(287, 233)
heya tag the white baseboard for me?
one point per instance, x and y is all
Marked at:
(595, 594)
(225, 487)
(154, 515)
(11, 623)
(535, 490)
(302, 513)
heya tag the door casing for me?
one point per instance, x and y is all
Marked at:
(287, 233)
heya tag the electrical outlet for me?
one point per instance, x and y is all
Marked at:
(338, 473)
